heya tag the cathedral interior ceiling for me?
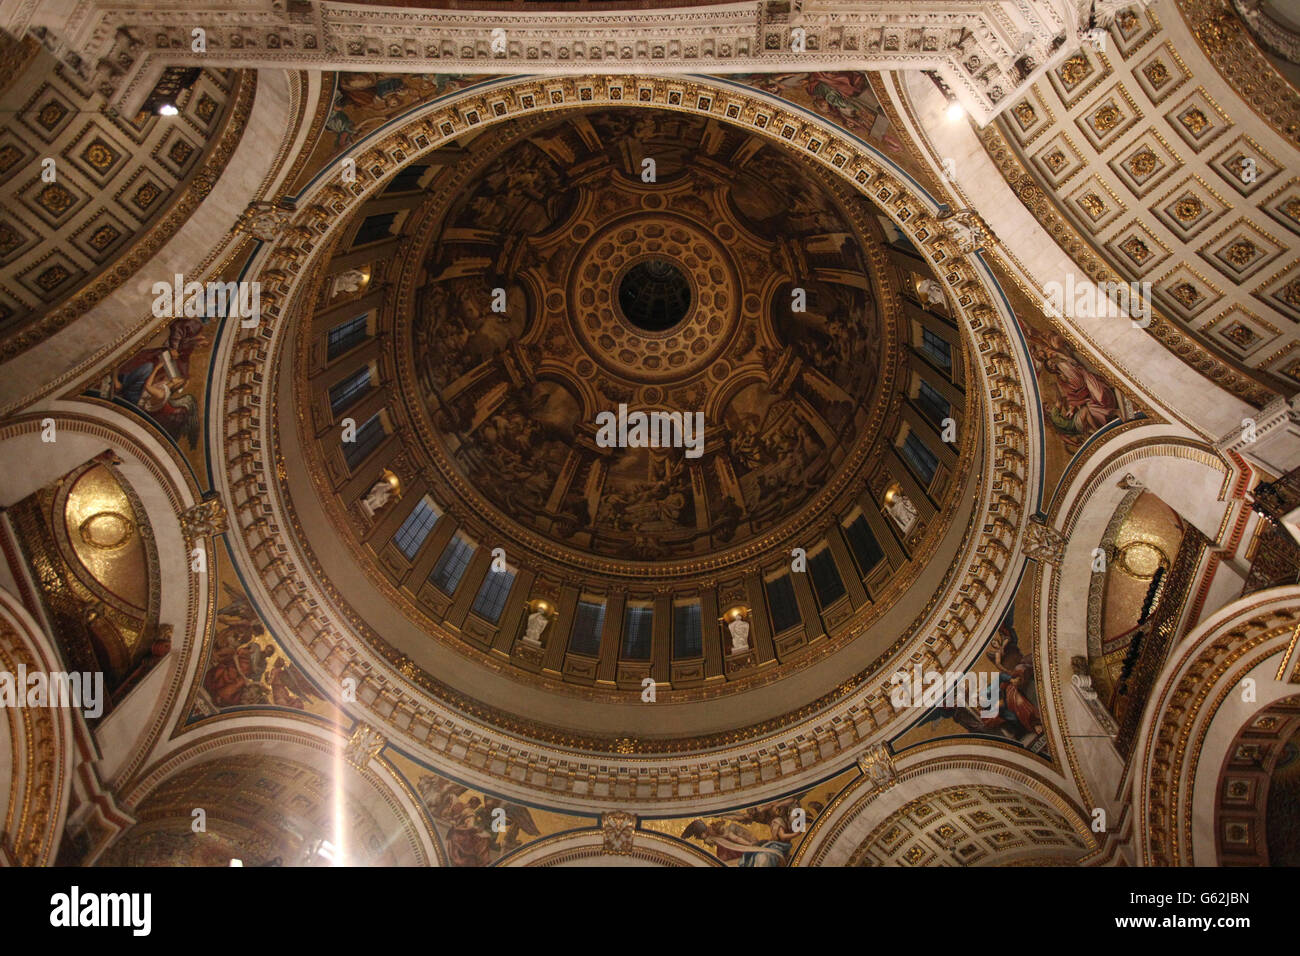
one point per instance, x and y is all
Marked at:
(510, 273)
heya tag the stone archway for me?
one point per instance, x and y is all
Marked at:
(1229, 670)
(941, 805)
(365, 793)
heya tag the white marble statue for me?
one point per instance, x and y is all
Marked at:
(739, 629)
(537, 622)
(349, 281)
(381, 492)
(932, 291)
(903, 512)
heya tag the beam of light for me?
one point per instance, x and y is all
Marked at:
(340, 768)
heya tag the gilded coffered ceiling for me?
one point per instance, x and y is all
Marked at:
(89, 194)
(1162, 175)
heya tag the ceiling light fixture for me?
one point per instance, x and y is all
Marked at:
(167, 109)
(955, 111)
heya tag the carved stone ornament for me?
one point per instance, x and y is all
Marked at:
(365, 743)
(967, 230)
(348, 281)
(619, 829)
(262, 220)
(205, 520)
(1044, 544)
(877, 765)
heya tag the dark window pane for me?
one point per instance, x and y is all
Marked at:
(866, 551)
(451, 565)
(934, 405)
(367, 440)
(346, 336)
(922, 460)
(374, 228)
(407, 180)
(346, 392)
(825, 577)
(638, 629)
(937, 348)
(688, 636)
(415, 528)
(785, 609)
(492, 594)
(587, 625)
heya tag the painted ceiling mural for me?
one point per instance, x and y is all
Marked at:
(563, 197)
(1005, 703)
(765, 834)
(530, 446)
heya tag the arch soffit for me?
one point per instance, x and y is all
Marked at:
(163, 481)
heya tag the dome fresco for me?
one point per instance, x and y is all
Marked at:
(629, 503)
(583, 223)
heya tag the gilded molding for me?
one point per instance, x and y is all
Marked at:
(1243, 65)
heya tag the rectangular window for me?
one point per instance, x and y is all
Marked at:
(374, 228)
(345, 393)
(347, 336)
(688, 632)
(492, 594)
(936, 348)
(407, 180)
(638, 629)
(825, 577)
(866, 551)
(587, 625)
(451, 565)
(416, 528)
(781, 600)
(920, 458)
(934, 405)
(367, 439)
